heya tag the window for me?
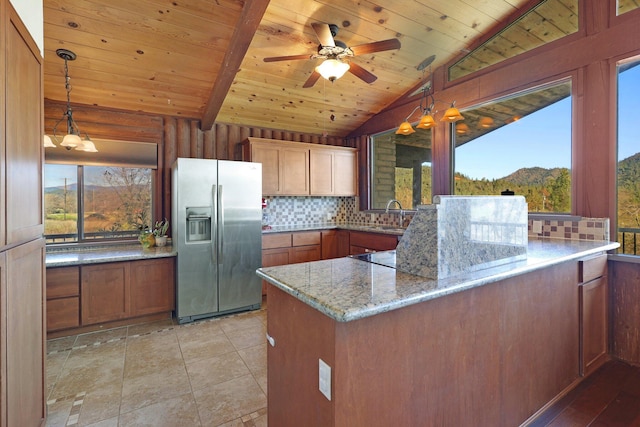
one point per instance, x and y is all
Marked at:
(548, 21)
(625, 6)
(92, 197)
(114, 202)
(401, 169)
(520, 144)
(628, 176)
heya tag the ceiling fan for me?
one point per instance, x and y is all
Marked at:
(335, 52)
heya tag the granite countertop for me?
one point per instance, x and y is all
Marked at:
(334, 226)
(347, 289)
(62, 257)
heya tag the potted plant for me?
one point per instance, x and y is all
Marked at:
(146, 237)
(160, 232)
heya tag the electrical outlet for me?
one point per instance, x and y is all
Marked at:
(536, 227)
(328, 216)
(324, 378)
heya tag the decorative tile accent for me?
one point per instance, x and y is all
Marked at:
(583, 229)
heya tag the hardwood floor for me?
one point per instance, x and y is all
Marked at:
(610, 397)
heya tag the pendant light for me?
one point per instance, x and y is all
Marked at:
(72, 139)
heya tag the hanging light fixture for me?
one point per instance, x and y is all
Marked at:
(485, 122)
(72, 139)
(332, 69)
(452, 114)
(462, 128)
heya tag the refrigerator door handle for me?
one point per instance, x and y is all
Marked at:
(214, 219)
(221, 225)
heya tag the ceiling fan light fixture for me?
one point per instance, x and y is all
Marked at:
(405, 128)
(426, 122)
(452, 115)
(332, 69)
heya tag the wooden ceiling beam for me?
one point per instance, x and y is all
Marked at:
(250, 18)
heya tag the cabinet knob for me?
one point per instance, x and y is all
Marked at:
(271, 340)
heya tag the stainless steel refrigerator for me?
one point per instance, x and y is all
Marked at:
(217, 230)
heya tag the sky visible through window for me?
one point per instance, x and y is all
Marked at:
(536, 137)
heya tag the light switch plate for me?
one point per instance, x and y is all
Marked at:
(324, 378)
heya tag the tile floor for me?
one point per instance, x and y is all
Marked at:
(208, 373)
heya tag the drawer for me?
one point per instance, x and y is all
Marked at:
(63, 282)
(592, 268)
(63, 313)
(305, 238)
(280, 240)
(374, 241)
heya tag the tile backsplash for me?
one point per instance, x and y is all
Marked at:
(303, 211)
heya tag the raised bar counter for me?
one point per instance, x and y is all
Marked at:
(347, 289)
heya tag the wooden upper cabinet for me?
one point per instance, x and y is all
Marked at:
(300, 169)
(294, 171)
(23, 129)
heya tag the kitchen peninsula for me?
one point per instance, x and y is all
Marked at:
(485, 347)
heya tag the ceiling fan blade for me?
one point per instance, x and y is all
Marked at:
(361, 73)
(313, 78)
(286, 58)
(380, 46)
(324, 34)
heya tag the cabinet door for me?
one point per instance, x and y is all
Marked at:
(24, 349)
(343, 243)
(593, 323)
(105, 292)
(329, 244)
(270, 159)
(23, 133)
(321, 169)
(305, 254)
(294, 171)
(63, 313)
(273, 257)
(345, 173)
(152, 286)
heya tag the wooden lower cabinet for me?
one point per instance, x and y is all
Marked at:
(63, 298)
(152, 286)
(593, 297)
(97, 294)
(105, 292)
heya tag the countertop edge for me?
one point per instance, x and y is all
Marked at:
(68, 258)
(489, 275)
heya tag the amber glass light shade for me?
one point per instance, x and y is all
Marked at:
(485, 122)
(405, 129)
(426, 122)
(462, 128)
(452, 115)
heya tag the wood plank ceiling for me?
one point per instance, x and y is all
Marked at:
(167, 56)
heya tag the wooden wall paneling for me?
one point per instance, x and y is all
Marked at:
(3, 52)
(222, 148)
(107, 124)
(3, 307)
(209, 150)
(625, 310)
(196, 148)
(170, 155)
(233, 137)
(183, 137)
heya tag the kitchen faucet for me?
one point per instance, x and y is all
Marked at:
(392, 201)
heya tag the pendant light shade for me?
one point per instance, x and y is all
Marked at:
(332, 69)
(426, 122)
(452, 115)
(462, 128)
(405, 129)
(48, 143)
(71, 140)
(88, 146)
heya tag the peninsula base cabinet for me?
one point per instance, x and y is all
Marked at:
(493, 355)
(100, 294)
